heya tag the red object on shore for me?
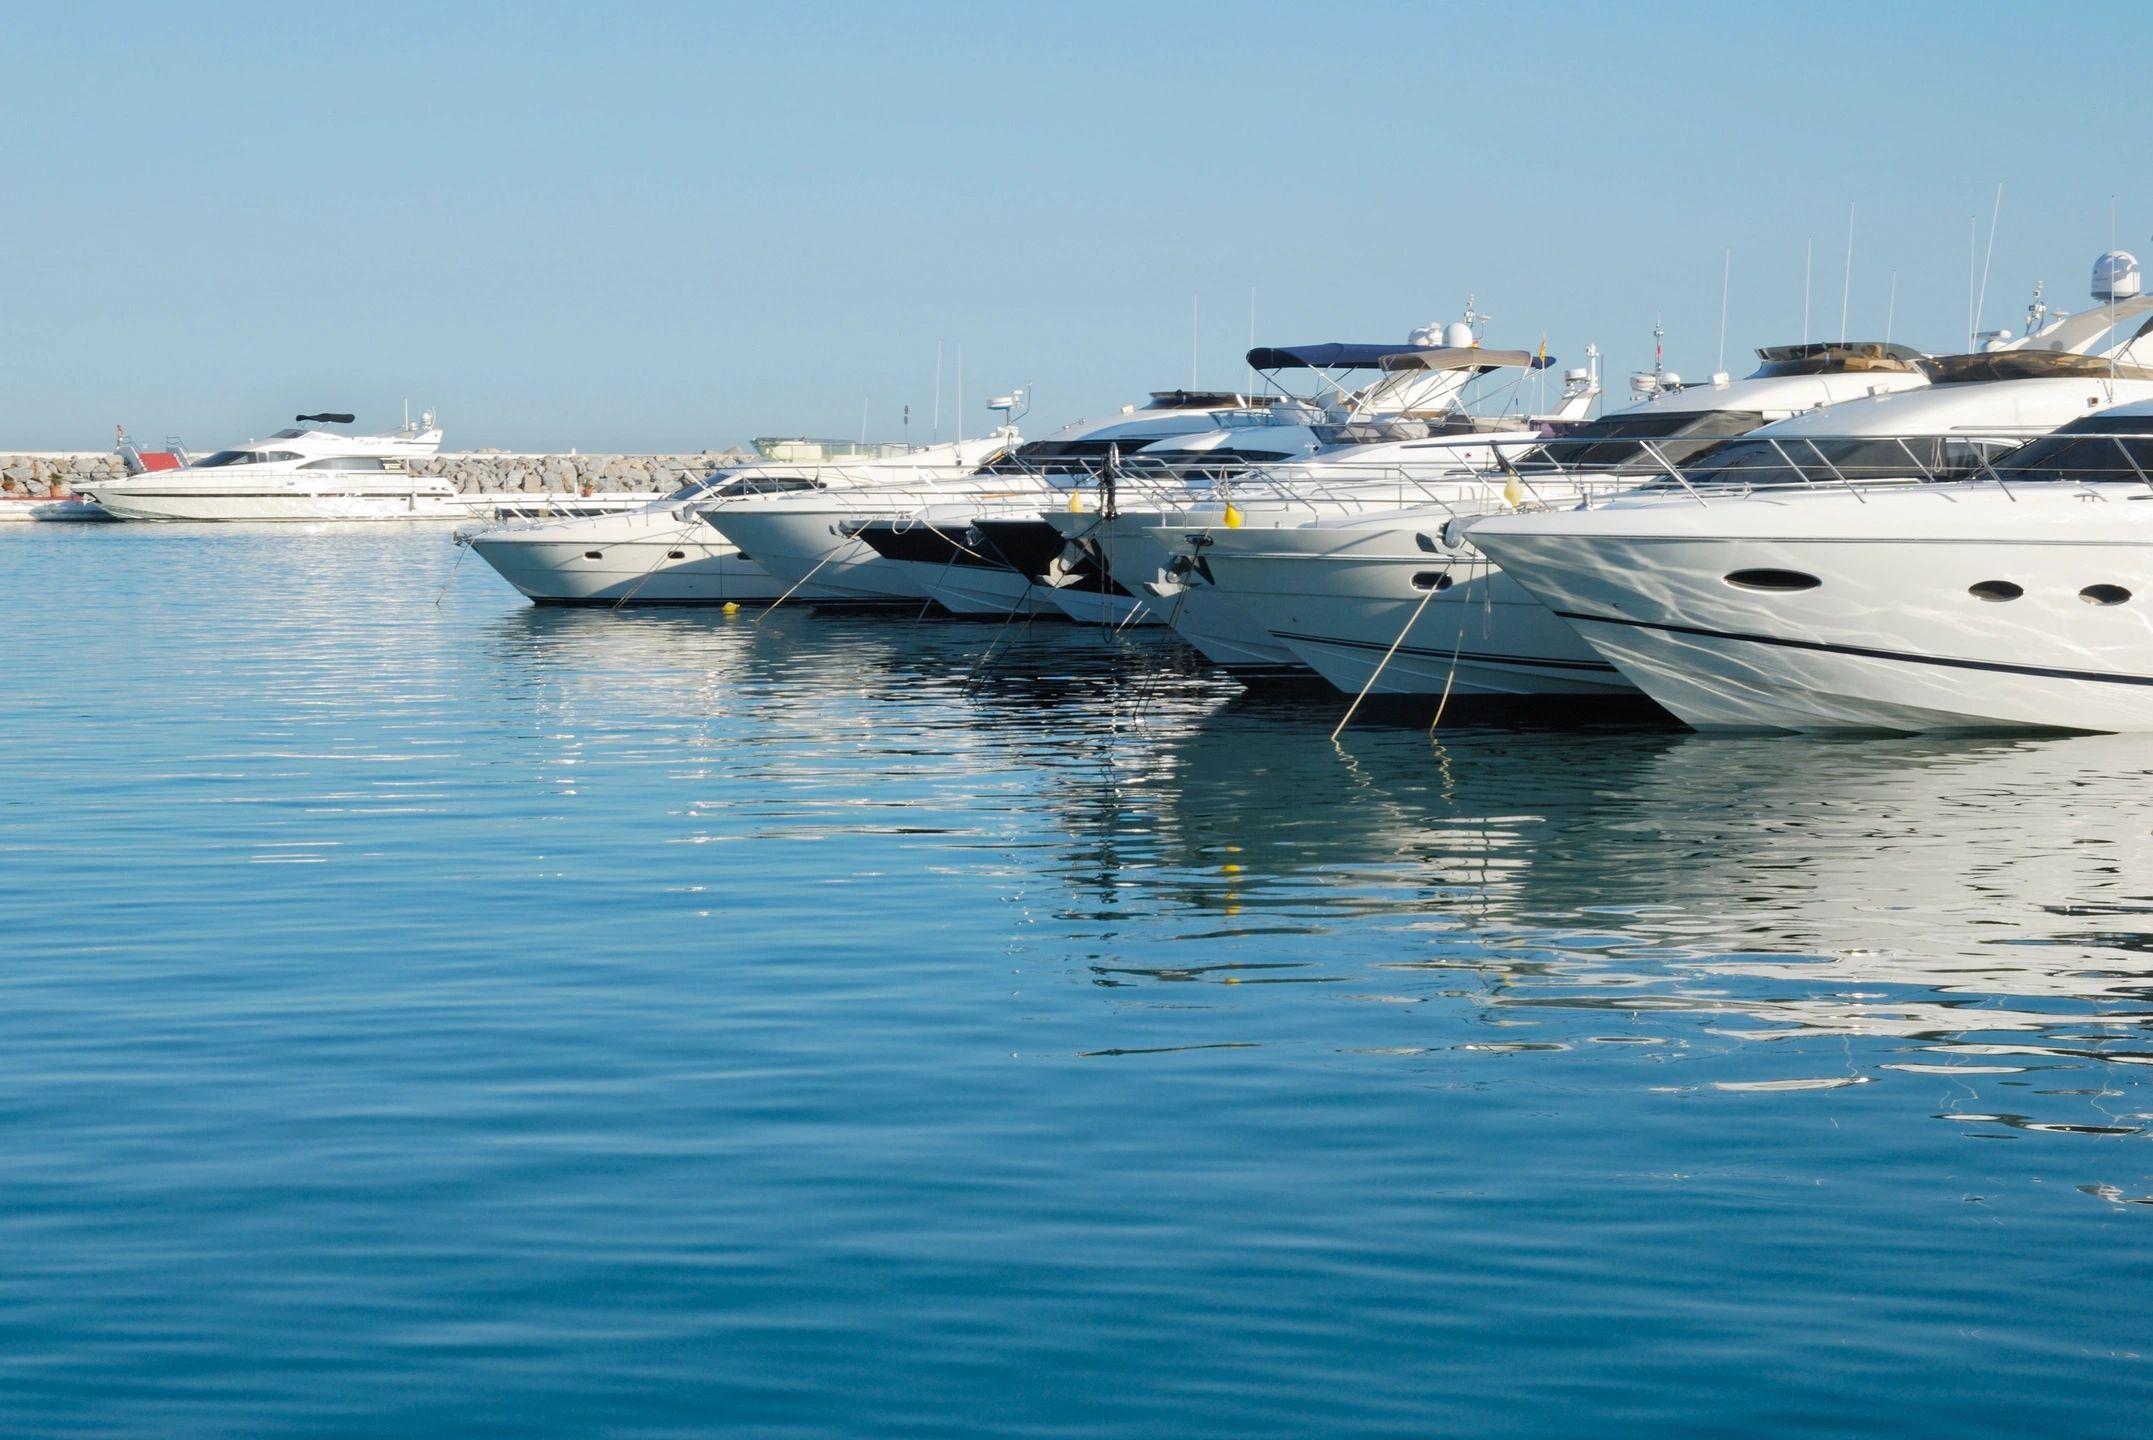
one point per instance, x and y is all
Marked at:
(139, 460)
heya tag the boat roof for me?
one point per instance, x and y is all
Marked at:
(1462, 357)
(2031, 365)
(2020, 404)
(1334, 355)
(1200, 400)
(1836, 356)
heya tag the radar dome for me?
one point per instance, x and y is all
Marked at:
(1459, 336)
(2115, 276)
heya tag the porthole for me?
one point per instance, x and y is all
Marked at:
(1996, 590)
(1779, 580)
(2104, 594)
(676, 554)
(1433, 580)
(594, 554)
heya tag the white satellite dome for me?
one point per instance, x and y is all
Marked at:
(2115, 276)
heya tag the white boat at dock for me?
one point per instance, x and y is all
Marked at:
(661, 553)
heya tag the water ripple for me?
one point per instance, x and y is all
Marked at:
(422, 1012)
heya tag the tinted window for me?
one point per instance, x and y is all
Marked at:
(1792, 460)
(1679, 436)
(766, 485)
(245, 457)
(2084, 457)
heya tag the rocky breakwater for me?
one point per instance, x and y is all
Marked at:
(480, 472)
(63, 473)
(56, 473)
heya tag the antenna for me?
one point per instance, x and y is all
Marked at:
(1891, 307)
(960, 394)
(1251, 381)
(1726, 269)
(935, 437)
(1982, 302)
(863, 419)
(1195, 302)
(1809, 253)
(1657, 331)
(1971, 232)
(1846, 276)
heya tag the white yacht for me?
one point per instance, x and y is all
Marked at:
(1451, 429)
(1017, 557)
(307, 473)
(1395, 595)
(814, 540)
(663, 553)
(1891, 579)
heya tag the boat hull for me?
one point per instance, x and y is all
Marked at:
(1912, 625)
(625, 560)
(815, 558)
(295, 507)
(1374, 608)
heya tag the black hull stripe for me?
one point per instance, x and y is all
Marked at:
(1536, 662)
(1994, 667)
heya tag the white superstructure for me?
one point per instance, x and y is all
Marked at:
(308, 474)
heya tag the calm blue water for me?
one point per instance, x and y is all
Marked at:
(421, 1013)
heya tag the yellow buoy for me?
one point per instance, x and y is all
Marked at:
(1233, 516)
(732, 607)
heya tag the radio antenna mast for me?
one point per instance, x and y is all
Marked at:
(1726, 268)
(1982, 303)
(1846, 276)
(1809, 254)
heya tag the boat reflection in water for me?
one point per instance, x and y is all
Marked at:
(1742, 914)
(1975, 911)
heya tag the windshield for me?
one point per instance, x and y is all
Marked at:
(694, 488)
(2087, 455)
(1616, 441)
(1802, 460)
(1085, 457)
(766, 485)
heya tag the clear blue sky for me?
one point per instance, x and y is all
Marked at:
(675, 226)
